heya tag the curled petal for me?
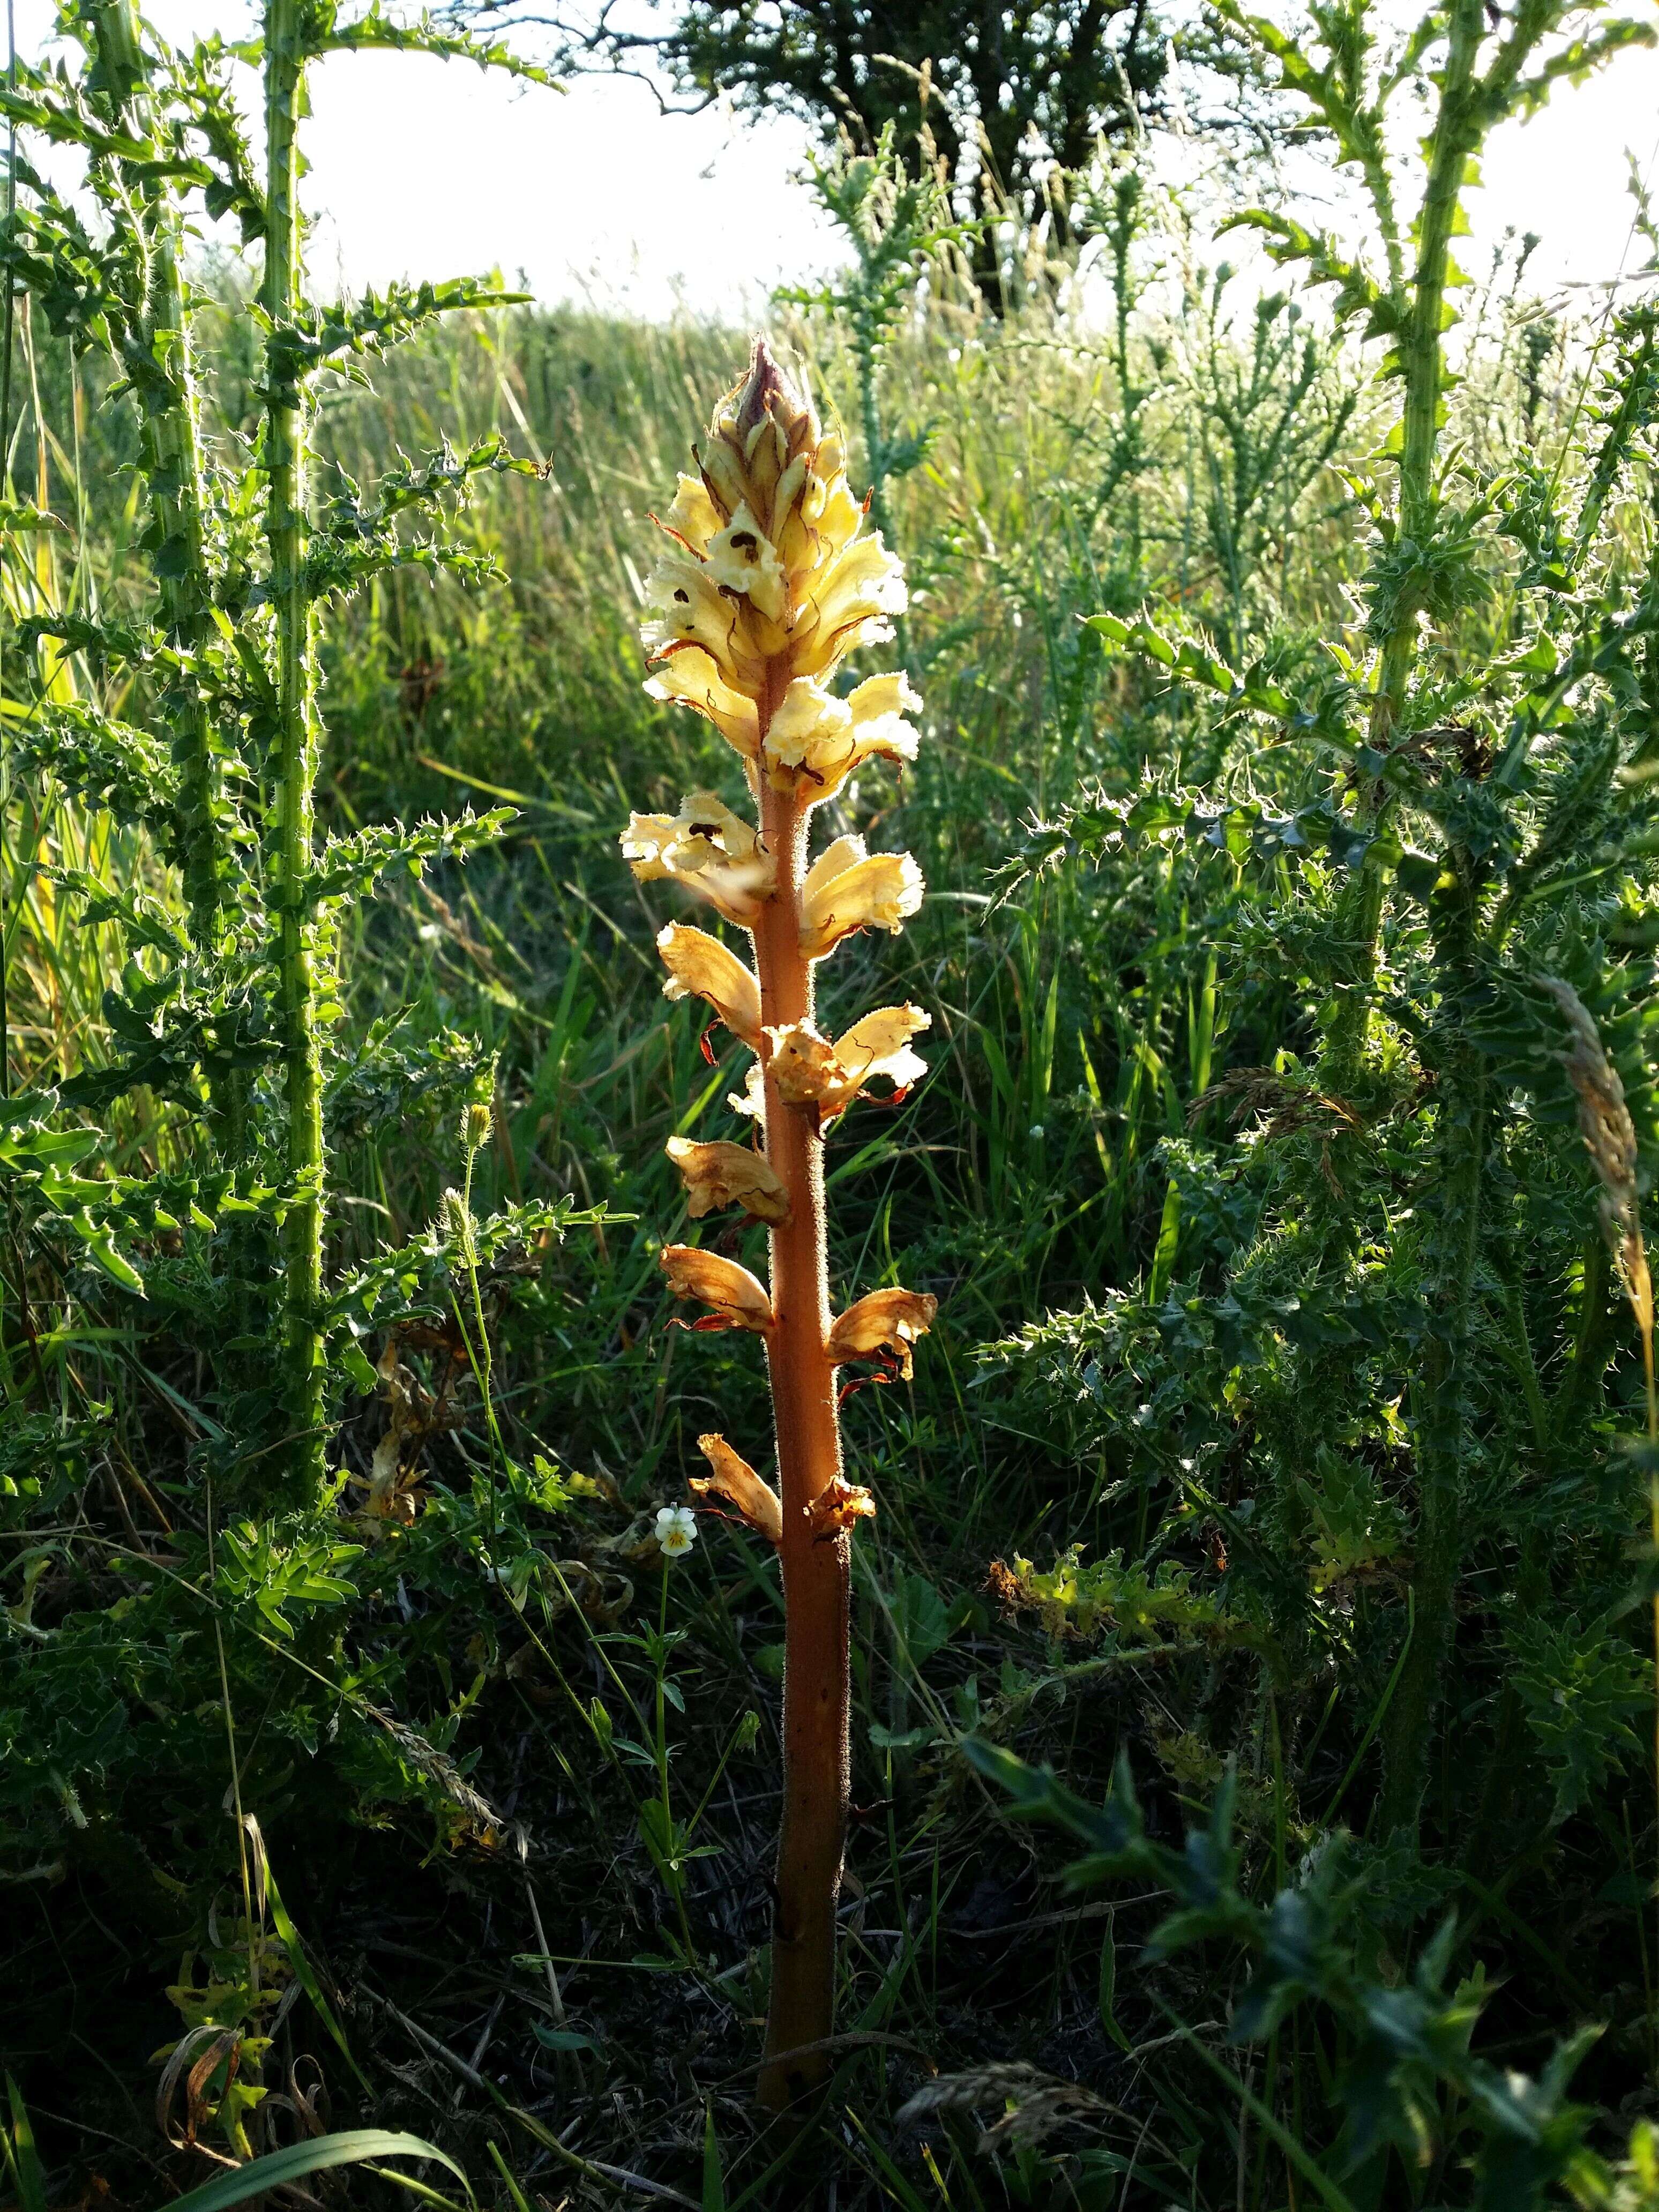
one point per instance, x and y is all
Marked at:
(737, 1300)
(807, 1067)
(751, 1099)
(693, 676)
(847, 604)
(881, 698)
(837, 1507)
(879, 1044)
(840, 516)
(728, 1174)
(848, 889)
(803, 1063)
(815, 741)
(884, 1325)
(694, 518)
(700, 966)
(788, 531)
(691, 610)
(709, 849)
(808, 728)
(722, 474)
(734, 1484)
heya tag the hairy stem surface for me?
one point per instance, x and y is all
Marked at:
(816, 1573)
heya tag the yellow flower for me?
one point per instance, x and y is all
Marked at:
(738, 1301)
(807, 1067)
(771, 574)
(700, 966)
(836, 1507)
(735, 1483)
(743, 558)
(709, 849)
(848, 606)
(728, 1174)
(691, 676)
(847, 889)
(692, 611)
(884, 1325)
(694, 518)
(814, 741)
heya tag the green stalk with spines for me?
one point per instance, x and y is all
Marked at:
(1421, 307)
(1406, 1733)
(165, 389)
(294, 764)
(1441, 1431)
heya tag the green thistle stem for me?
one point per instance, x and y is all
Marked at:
(1458, 130)
(164, 382)
(287, 531)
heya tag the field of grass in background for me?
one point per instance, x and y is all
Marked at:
(447, 1738)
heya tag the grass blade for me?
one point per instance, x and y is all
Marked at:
(22, 2159)
(349, 2147)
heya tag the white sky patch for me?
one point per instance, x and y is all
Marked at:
(426, 169)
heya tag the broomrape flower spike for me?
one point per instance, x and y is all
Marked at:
(768, 580)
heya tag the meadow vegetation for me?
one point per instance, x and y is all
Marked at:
(1252, 1691)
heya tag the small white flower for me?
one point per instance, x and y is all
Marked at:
(677, 1530)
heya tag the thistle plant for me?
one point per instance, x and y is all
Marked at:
(770, 583)
(227, 1017)
(897, 226)
(1497, 748)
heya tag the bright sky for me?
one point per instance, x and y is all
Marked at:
(422, 168)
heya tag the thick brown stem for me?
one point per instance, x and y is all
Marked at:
(816, 1574)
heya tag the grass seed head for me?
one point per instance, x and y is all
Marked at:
(1609, 1134)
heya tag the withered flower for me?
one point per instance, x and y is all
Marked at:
(734, 1484)
(837, 1507)
(728, 1174)
(737, 1300)
(885, 1322)
(700, 966)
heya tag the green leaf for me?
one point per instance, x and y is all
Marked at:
(349, 2148)
(305, 1974)
(22, 2159)
(714, 2175)
(1168, 1242)
(1108, 1992)
(99, 1242)
(922, 1621)
(561, 2039)
(915, 1739)
(22, 514)
(355, 1360)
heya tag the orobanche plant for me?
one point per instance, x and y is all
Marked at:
(770, 580)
